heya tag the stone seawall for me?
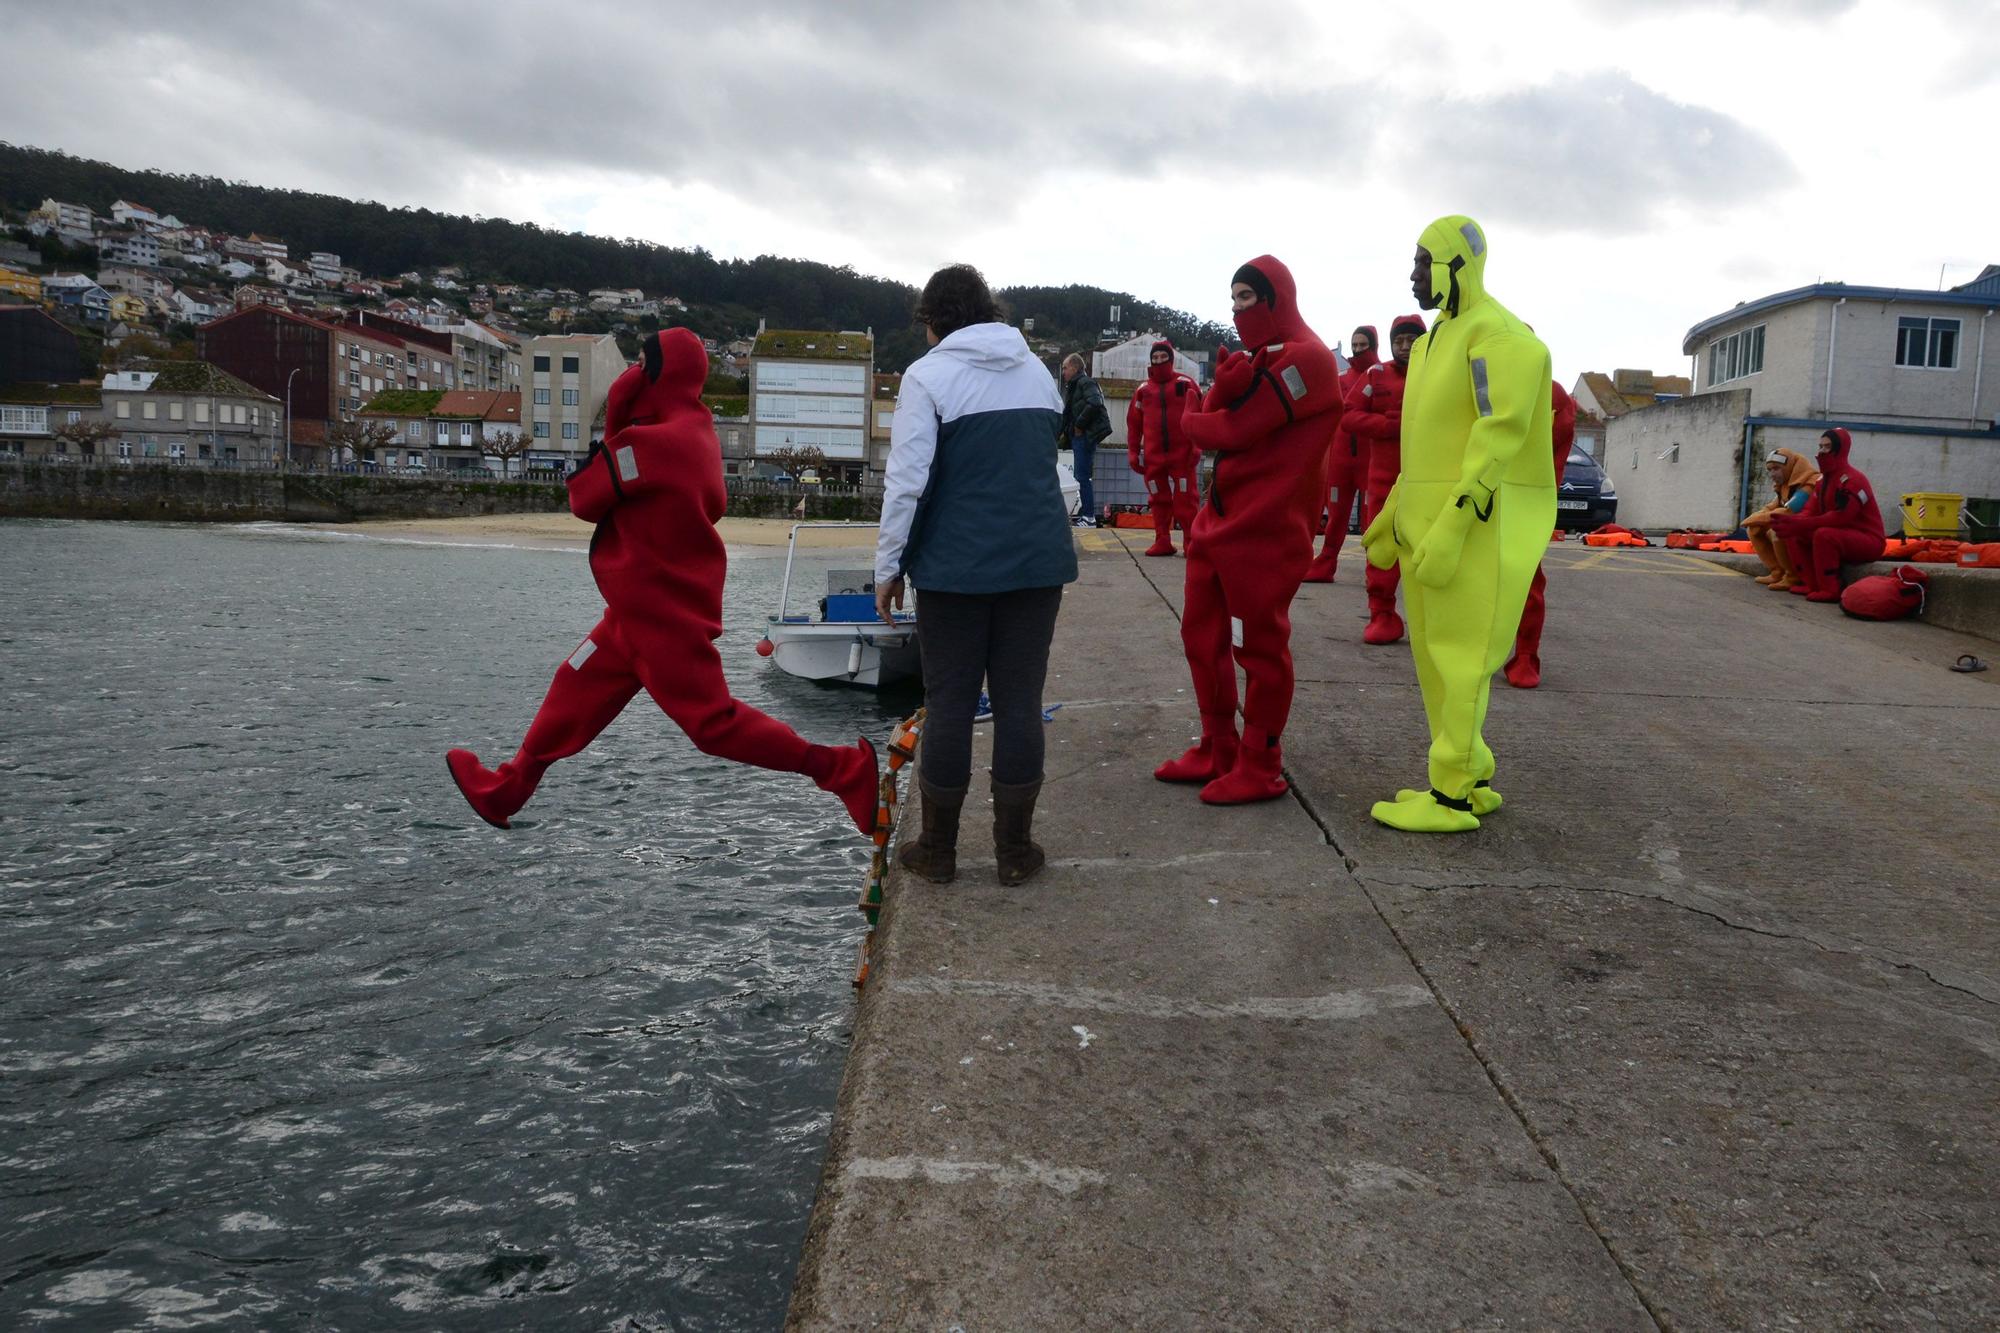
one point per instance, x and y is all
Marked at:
(167, 493)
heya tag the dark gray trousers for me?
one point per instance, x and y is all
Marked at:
(1000, 639)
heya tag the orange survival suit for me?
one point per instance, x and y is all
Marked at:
(654, 489)
(1268, 417)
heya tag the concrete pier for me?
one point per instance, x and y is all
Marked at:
(1701, 1031)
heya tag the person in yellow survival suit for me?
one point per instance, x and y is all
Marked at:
(1469, 517)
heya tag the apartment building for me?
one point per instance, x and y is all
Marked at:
(566, 381)
(190, 411)
(445, 430)
(331, 370)
(814, 389)
(486, 358)
(139, 248)
(1910, 373)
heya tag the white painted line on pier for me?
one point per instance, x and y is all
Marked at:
(1064, 1180)
(1336, 1006)
(1141, 863)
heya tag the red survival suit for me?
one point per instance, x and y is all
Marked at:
(1346, 464)
(1374, 415)
(1158, 449)
(1841, 524)
(655, 491)
(1268, 416)
(1524, 667)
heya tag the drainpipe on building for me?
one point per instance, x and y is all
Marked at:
(1826, 405)
(1978, 370)
(1743, 489)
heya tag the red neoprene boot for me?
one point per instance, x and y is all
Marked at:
(849, 772)
(1213, 756)
(1383, 627)
(494, 796)
(1524, 670)
(1321, 570)
(1258, 775)
(1163, 526)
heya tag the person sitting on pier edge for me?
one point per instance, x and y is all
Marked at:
(1840, 525)
(1793, 479)
(1086, 423)
(1268, 416)
(1524, 667)
(1347, 464)
(1469, 518)
(972, 516)
(655, 492)
(1374, 415)
(1157, 446)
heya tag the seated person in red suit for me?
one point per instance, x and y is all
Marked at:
(654, 490)
(1841, 525)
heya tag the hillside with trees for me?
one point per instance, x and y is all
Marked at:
(725, 297)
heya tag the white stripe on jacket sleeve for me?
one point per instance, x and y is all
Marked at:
(912, 447)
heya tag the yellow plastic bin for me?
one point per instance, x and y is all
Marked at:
(1931, 514)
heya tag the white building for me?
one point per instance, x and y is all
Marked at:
(1131, 359)
(71, 222)
(813, 389)
(1912, 374)
(128, 214)
(131, 247)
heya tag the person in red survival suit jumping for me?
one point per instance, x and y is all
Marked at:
(1346, 459)
(1841, 525)
(1374, 415)
(1157, 447)
(654, 490)
(1524, 668)
(1268, 416)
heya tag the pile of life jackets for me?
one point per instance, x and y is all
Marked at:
(1613, 535)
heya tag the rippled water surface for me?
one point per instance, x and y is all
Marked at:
(289, 1038)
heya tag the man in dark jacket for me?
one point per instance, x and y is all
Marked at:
(1086, 423)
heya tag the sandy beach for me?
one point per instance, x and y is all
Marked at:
(557, 532)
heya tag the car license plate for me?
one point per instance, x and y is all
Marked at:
(1572, 504)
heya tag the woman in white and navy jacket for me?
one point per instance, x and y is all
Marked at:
(974, 520)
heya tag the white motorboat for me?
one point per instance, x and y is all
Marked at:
(846, 642)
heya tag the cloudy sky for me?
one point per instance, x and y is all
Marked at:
(1638, 164)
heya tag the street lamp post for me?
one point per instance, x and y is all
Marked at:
(286, 460)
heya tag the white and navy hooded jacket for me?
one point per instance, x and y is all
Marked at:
(972, 503)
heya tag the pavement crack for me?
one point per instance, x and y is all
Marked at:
(1900, 964)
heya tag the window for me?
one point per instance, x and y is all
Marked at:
(465, 432)
(150, 410)
(1929, 343)
(541, 430)
(571, 365)
(569, 430)
(542, 365)
(340, 349)
(416, 430)
(541, 398)
(444, 433)
(201, 413)
(25, 420)
(177, 451)
(256, 416)
(569, 398)
(124, 449)
(1737, 355)
(175, 411)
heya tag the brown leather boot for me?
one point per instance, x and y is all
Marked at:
(1013, 820)
(933, 854)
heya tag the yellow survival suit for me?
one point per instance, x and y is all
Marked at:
(1469, 517)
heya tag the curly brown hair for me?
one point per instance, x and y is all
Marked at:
(956, 296)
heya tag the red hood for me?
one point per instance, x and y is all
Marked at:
(672, 368)
(1361, 361)
(1834, 459)
(1414, 323)
(1276, 319)
(1162, 373)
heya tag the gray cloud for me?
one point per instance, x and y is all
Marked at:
(905, 117)
(1598, 154)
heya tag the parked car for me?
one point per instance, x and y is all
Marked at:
(1585, 497)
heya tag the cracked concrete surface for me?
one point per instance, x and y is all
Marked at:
(1699, 1031)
